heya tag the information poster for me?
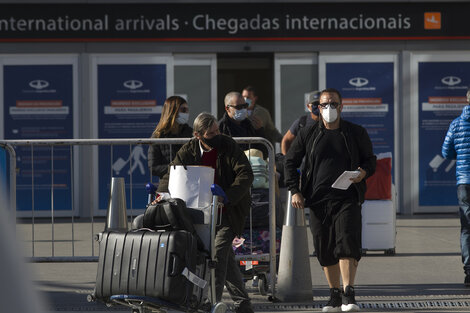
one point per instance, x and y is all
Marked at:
(442, 88)
(367, 86)
(130, 99)
(39, 104)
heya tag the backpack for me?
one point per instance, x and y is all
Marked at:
(171, 214)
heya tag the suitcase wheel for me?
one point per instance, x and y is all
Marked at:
(219, 307)
(390, 251)
(262, 284)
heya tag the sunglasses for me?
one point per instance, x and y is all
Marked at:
(333, 105)
(184, 110)
(239, 106)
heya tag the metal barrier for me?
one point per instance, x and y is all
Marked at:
(85, 240)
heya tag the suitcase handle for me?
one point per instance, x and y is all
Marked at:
(175, 264)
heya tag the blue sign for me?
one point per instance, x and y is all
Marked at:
(38, 104)
(3, 169)
(367, 90)
(130, 100)
(442, 90)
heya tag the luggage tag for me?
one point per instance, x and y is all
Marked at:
(201, 283)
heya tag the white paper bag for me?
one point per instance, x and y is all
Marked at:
(193, 184)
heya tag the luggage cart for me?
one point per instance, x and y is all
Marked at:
(253, 255)
(254, 259)
(145, 304)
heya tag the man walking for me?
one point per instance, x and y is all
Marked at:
(457, 146)
(233, 173)
(332, 146)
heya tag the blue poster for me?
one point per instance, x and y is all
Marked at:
(38, 104)
(3, 170)
(368, 98)
(442, 89)
(130, 100)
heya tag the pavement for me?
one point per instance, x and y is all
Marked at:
(425, 274)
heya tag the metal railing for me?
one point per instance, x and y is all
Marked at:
(82, 233)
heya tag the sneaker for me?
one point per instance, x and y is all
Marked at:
(349, 301)
(467, 280)
(334, 304)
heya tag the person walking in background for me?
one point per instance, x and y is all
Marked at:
(457, 146)
(260, 116)
(330, 147)
(305, 120)
(173, 124)
(234, 122)
(233, 173)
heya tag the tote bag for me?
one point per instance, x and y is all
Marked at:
(192, 183)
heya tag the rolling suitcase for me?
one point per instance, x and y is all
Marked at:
(164, 265)
(379, 225)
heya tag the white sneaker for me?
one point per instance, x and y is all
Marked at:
(349, 301)
(334, 304)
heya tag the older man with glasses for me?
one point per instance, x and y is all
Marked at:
(235, 123)
(332, 146)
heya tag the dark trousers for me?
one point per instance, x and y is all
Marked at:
(463, 194)
(227, 272)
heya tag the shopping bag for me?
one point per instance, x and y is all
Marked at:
(191, 183)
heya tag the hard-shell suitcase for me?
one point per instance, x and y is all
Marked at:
(164, 265)
(379, 225)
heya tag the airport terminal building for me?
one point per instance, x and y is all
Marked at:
(102, 69)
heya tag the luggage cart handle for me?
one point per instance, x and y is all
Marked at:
(218, 191)
(151, 190)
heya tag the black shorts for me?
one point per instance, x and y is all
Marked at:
(337, 231)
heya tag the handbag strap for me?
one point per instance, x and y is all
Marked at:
(170, 215)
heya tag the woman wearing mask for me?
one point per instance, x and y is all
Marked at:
(173, 124)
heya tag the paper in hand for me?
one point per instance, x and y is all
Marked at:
(344, 180)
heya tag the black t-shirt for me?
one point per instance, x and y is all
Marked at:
(331, 159)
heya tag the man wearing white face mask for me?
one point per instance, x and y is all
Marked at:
(331, 146)
(235, 123)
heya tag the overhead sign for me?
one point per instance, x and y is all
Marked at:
(232, 21)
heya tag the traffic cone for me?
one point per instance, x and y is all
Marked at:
(116, 218)
(294, 276)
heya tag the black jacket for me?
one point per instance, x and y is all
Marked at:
(159, 156)
(233, 173)
(245, 129)
(358, 145)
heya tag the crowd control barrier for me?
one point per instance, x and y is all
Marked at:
(69, 236)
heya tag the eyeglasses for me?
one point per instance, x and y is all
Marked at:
(184, 109)
(333, 105)
(239, 106)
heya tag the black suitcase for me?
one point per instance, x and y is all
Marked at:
(148, 263)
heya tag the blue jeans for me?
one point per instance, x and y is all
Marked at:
(463, 194)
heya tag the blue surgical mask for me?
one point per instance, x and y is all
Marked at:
(240, 115)
(182, 118)
(248, 100)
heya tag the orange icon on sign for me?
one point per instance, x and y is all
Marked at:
(432, 20)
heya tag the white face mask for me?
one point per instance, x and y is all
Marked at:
(329, 114)
(240, 115)
(248, 101)
(182, 118)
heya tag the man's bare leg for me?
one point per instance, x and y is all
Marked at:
(333, 275)
(348, 268)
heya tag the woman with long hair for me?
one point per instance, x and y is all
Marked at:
(173, 124)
